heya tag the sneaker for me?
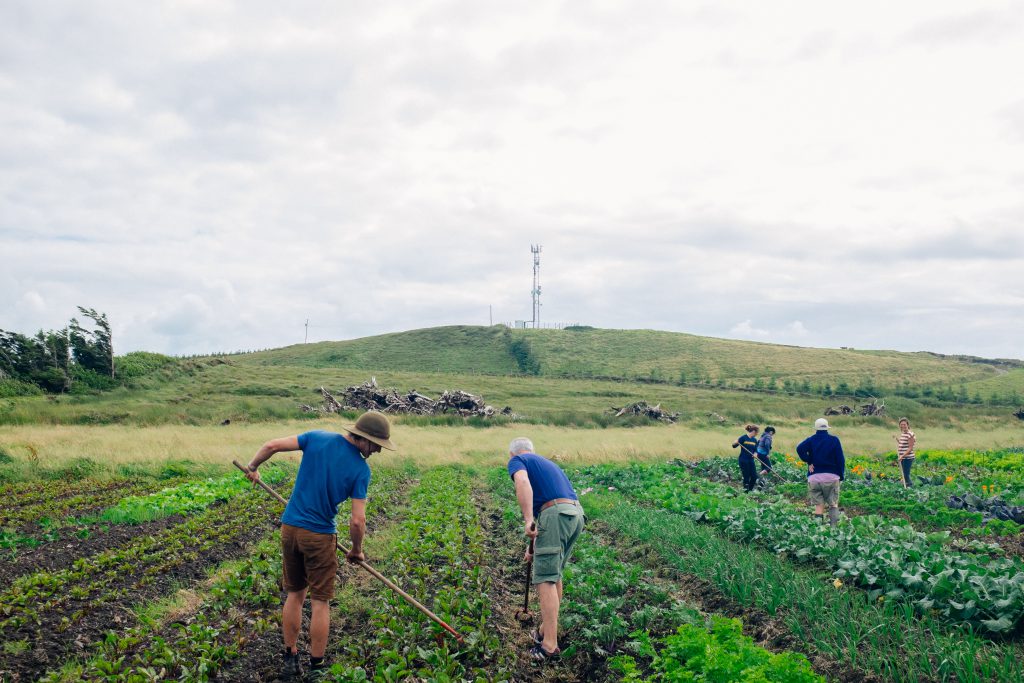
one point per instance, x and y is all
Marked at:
(291, 670)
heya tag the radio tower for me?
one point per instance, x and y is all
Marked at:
(535, 248)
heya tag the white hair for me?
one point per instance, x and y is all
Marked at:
(520, 444)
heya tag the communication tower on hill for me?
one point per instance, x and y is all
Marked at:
(535, 248)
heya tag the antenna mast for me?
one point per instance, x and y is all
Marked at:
(535, 248)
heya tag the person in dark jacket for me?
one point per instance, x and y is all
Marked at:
(764, 448)
(826, 469)
(748, 446)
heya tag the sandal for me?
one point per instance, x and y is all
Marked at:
(537, 636)
(539, 654)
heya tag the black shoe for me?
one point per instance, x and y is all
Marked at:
(318, 670)
(291, 670)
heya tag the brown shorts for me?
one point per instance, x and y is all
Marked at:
(309, 559)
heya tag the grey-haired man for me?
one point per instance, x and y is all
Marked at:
(547, 499)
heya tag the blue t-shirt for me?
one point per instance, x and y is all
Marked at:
(331, 472)
(547, 479)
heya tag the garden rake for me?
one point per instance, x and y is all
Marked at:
(365, 565)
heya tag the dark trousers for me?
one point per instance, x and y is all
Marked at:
(907, 463)
(749, 471)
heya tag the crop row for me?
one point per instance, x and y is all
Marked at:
(437, 555)
(24, 494)
(617, 612)
(184, 498)
(52, 513)
(115, 573)
(889, 559)
(924, 504)
(888, 639)
(240, 606)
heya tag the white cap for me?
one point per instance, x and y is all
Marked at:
(821, 423)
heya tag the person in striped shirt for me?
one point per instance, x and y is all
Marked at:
(905, 442)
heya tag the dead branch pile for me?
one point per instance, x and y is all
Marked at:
(716, 417)
(873, 408)
(838, 410)
(369, 396)
(655, 412)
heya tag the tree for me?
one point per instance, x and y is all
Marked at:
(93, 349)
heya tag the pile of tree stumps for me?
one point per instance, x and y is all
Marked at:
(370, 396)
(838, 410)
(866, 409)
(655, 412)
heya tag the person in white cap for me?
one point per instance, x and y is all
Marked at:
(826, 468)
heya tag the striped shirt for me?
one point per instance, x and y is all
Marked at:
(903, 448)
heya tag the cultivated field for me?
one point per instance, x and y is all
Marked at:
(172, 572)
(130, 549)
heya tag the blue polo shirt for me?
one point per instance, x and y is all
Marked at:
(547, 479)
(331, 472)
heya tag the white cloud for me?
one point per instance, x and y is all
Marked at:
(212, 174)
(745, 330)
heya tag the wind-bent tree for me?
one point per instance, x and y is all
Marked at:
(93, 349)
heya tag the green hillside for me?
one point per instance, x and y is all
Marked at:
(463, 349)
(558, 377)
(648, 355)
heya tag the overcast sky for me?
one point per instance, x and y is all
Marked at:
(211, 174)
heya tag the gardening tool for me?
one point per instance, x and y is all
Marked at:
(365, 565)
(765, 466)
(524, 614)
(903, 477)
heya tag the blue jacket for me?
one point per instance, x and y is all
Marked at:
(824, 452)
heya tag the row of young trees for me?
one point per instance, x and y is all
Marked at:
(55, 360)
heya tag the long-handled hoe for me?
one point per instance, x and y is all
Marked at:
(524, 614)
(762, 464)
(365, 565)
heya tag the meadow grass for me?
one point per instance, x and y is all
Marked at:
(116, 447)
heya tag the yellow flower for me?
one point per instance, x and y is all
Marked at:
(837, 583)
(881, 598)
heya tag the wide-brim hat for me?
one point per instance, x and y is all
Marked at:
(375, 427)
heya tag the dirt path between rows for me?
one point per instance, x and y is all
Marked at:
(69, 547)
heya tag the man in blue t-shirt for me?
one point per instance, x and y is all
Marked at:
(333, 469)
(548, 500)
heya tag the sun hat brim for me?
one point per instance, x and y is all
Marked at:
(383, 443)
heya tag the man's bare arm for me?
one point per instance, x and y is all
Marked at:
(524, 493)
(357, 530)
(287, 443)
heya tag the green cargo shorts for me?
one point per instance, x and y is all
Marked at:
(558, 527)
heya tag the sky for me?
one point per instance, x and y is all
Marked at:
(212, 175)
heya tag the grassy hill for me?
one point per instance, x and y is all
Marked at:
(553, 377)
(648, 355)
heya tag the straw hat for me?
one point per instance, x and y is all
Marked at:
(375, 427)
